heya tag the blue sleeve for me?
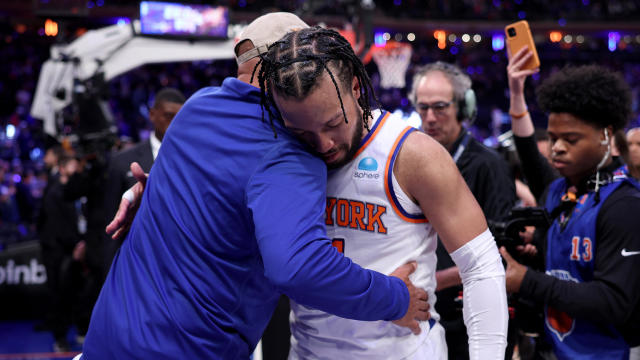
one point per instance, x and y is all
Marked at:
(287, 199)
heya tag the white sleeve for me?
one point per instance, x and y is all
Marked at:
(485, 297)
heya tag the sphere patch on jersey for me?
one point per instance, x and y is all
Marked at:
(368, 164)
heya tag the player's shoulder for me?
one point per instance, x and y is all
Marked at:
(419, 147)
(422, 160)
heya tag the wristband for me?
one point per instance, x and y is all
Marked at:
(518, 116)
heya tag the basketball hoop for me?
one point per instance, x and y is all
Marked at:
(393, 60)
(349, 33)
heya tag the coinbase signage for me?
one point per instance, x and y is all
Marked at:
(23, 282)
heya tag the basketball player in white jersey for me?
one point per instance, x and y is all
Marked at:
(373, 221)
(385, 181)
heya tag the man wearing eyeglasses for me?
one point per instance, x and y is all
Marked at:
(442, 96)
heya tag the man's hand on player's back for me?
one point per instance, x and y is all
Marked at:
(418, 305)
(129, 205)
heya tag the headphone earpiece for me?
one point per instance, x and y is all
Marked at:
(467, 107)
(606, 137)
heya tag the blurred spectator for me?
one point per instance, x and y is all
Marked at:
(59, 238)
(633, 161)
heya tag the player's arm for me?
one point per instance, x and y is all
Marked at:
(425, 171)
(496, 191)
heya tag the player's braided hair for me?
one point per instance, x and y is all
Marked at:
(294, 64)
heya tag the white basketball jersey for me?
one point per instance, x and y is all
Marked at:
(373, 222)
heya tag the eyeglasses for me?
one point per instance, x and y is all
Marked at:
(438, 107)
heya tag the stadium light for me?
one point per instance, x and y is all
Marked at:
(441, 35)
(379, 39)
(497, 42)
(50, 28)
(614, 38)
(555, 36)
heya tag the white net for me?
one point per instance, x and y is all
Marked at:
(393, 60)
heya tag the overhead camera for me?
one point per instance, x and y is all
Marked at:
(90, 118)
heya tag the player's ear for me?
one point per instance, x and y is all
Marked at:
(355, 87)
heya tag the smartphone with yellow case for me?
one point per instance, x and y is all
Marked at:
(518, 36)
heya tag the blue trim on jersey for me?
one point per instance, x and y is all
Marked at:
(373, 129)
(394, 198)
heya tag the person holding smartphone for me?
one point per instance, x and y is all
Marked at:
(591, 287)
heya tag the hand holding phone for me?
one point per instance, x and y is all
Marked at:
(519, 36)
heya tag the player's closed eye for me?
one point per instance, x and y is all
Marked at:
(335, 123)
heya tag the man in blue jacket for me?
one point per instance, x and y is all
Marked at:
(232, 216)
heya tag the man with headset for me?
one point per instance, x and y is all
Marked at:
(442, 96)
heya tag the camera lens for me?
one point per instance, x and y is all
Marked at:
(511, 31)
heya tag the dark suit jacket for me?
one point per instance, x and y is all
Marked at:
(119, 179)
(119, 176)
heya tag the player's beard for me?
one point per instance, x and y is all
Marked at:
(352, 148)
